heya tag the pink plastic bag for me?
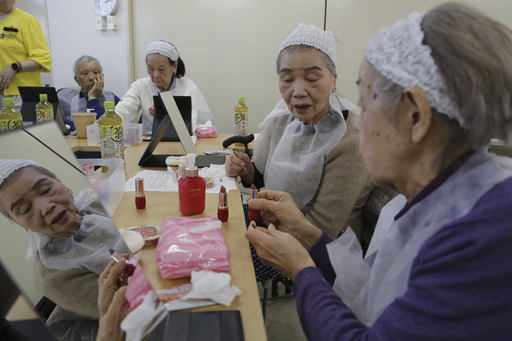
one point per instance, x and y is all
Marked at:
(206, 130)
(138, 287)
(191, 244)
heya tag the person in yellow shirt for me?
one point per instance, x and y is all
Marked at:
(24, 52)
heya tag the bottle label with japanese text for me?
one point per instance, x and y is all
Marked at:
(112, 142)
(10, 124)
(240, 123)
(43, 115)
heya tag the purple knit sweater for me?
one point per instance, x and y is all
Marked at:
(460, 286)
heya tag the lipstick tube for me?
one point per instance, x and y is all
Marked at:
(140, 198)
(254, 215)
(223, 211)
(130, 268)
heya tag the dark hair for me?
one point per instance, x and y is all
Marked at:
(180, 70)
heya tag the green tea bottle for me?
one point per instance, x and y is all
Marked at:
(44, 109)
(111, 133)
(10, 117)
(241, 118)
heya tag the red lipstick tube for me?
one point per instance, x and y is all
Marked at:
(223, 211)
(140, 198)
(254, 215)
(130, 268)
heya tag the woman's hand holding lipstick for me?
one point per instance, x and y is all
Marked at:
(279, 209)
(112, 303)
(109, 282)
(129, 269)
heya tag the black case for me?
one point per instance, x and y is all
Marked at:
(199, 326)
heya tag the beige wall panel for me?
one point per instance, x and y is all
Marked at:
(229, 47)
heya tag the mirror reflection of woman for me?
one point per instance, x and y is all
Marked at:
(69, 238)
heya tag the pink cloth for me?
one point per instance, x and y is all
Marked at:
(191, 244)
(138, 287)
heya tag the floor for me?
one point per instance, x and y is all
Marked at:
(282, 322)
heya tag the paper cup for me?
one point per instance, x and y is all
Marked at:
(82, 120)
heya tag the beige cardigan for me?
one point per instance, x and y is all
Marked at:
(75, 290)
(344, 188)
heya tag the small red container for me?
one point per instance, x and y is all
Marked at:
(140, 198)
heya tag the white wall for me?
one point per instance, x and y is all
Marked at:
(229, 47)
(354, 22)
(73, 33)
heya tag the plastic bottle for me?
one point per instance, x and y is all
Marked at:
(192, 189)
(10, 117)
(241, 118)
(44, 109)
(111, 133)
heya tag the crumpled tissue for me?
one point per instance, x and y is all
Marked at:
(139, 322)
(214, 286)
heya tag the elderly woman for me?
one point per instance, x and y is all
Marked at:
(309, 146)
(166, 70)
(434, 89)
(69, 239)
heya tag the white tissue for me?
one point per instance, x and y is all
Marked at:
(144, 318)
(214, 286)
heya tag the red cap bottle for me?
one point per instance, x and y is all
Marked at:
(192, 189)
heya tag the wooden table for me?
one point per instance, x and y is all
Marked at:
(161, 205)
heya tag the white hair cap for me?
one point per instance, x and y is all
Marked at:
(163, 47)
(399, 54)
(310, 35)
(9, 166)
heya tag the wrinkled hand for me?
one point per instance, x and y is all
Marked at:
(6, 75)
(97, 88)
(239, 164)
(279, 250)
(110, 322)
(151, 111)
(278, 208)
(110, 281)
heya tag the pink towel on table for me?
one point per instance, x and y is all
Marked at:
(191, 244)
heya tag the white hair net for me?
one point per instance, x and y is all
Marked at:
(310, 35)
(163, 47)
(399, 54)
